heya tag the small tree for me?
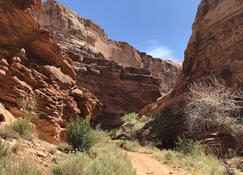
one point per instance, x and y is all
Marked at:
(79, 134)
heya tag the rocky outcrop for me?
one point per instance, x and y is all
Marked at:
(121, 89)
(215, 49)
(32, 64)
(81, 37)
(5, 116)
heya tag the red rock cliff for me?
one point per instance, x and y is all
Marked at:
(77, 35)
(215, 49)
(32, 64)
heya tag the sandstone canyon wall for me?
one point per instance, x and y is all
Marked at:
(32, 64)
(107, 66)
(214, 50)
(81, 37)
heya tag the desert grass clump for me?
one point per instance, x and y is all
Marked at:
(3, 150)
(22, 126)
(52, 150)
(64, 147)
(7, 132)
(79, 134)
(128, 145)
(29, 107)
(191, 156)
(16, 167)
(189, 147)
(102, 159)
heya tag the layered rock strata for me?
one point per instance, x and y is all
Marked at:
(81, 37)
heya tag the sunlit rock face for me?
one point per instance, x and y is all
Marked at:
(81, 37)
(122, 78)
(215, 49)
(32, 64)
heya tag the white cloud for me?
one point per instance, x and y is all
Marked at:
(161, 52)
(157, 50)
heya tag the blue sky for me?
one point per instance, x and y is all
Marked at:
(160, 27)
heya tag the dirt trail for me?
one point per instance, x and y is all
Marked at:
(145, 165)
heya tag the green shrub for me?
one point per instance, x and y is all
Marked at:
(22, 126)
(113, 133)
(133, 119)
(79, 134)
(189, 147)
(191, 156)
(102, 159)
(132, 125)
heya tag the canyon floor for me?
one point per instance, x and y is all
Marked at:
(44, 156)
(146, 164)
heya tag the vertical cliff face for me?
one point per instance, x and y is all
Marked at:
(214, 49)
(121, 90)
(81, 37)
(31, 64)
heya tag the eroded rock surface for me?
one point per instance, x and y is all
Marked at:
(32, 64)
(120, 89)
(81, 37)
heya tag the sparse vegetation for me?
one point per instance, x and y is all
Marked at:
(189, 147)
(100, 136)
(22, 126)
(52, 150)
(15, 167)
(7, 132)
(29, 106)
(102, 159)
(132, 146)
(79, 134)
(132, 125)
(15, 148)
(213, 105)
(192, 157)
(64, 147)
(136, 122)
(3, 150)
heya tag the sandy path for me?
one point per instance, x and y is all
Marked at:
(145, 165)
